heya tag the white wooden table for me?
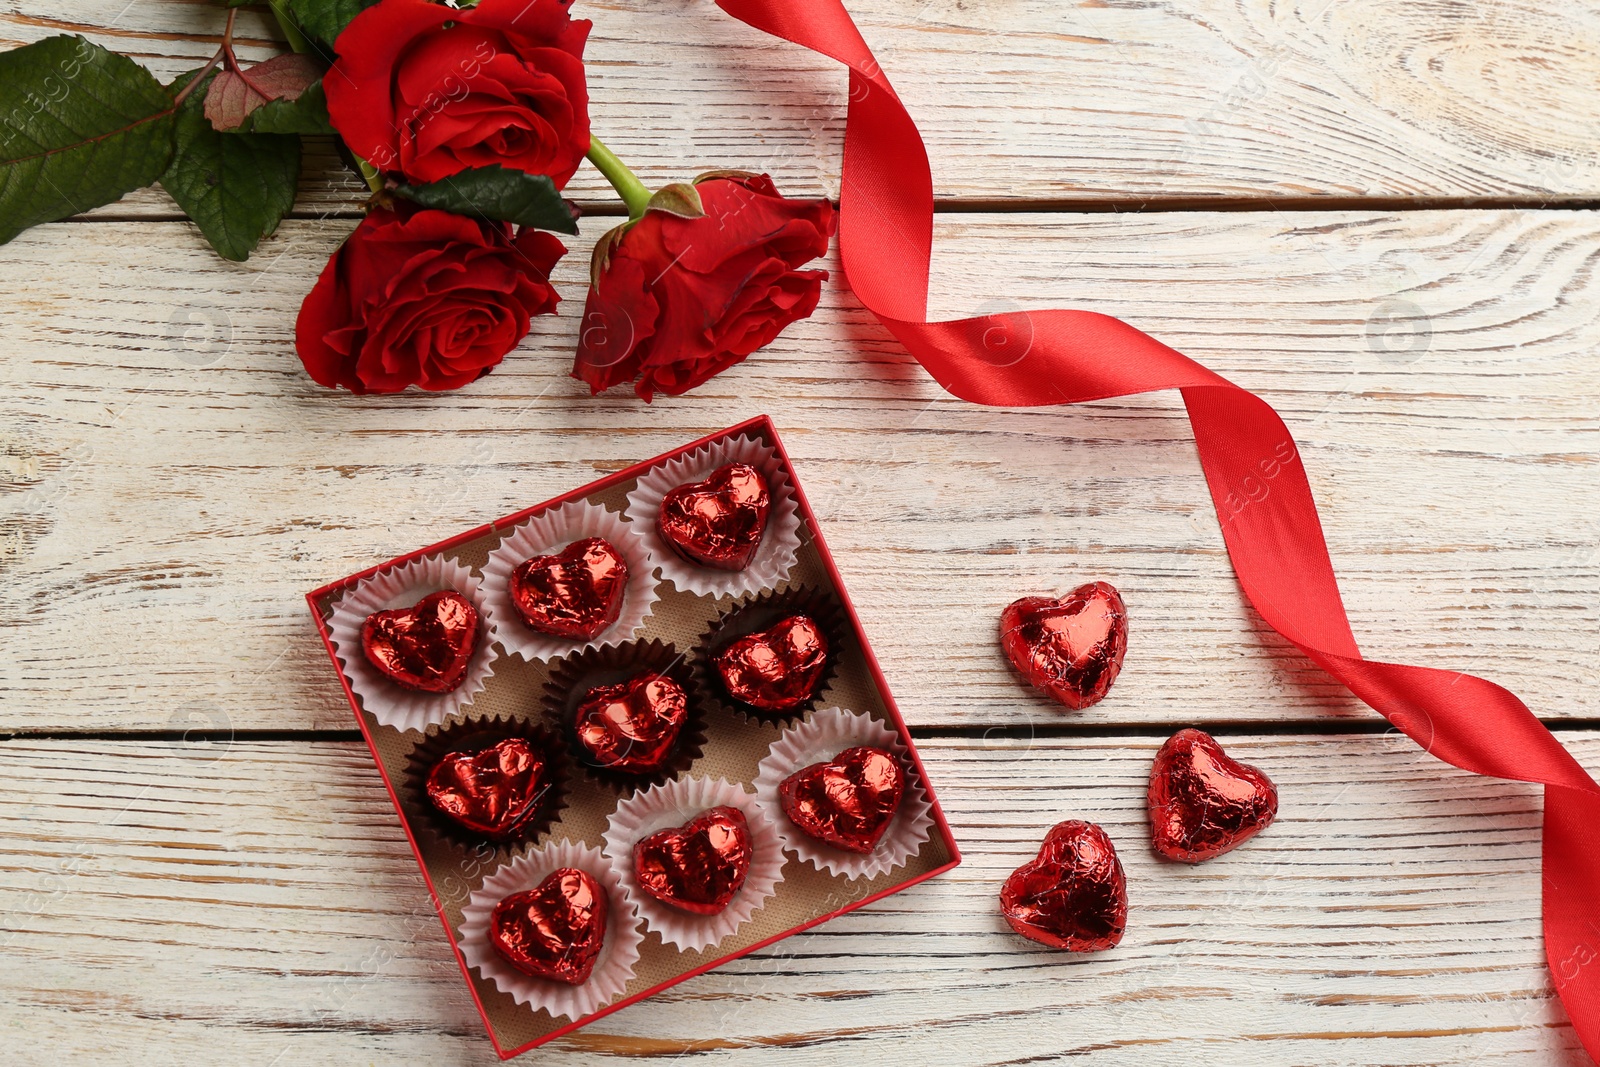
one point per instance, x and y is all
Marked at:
(1380, 216)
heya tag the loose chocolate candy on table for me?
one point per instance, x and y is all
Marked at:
(697, 867)
(1069, 648)
(1202, 802)
(633, 725)
(555, 931)
(717, 522)
(847, 802)
(575, 593)
(778, 668)
(426, 647)
(493, 791)
(1073, 895)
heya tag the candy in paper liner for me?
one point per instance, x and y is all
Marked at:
(573, 677)
(773, 559)
(761, 613)
(823, 735)
(470, 735)
(618, 954)
(670, 805)
(547, 534)
(402, 587)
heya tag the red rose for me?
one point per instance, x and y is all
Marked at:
(426, 298)
(428, 90)
(675, 300)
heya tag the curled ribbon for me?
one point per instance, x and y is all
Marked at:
(1274, 541)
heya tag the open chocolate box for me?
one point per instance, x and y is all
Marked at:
(678, 619)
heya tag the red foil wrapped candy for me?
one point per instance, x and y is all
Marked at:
(555, 931)
(697, 867)
(778, 668)
(1069, 648)
(494, 791)
(1073, 895)
(1202, 802)
(576, 593)
(426, 647)
(633, 725)
(717, 522)
(847, 802)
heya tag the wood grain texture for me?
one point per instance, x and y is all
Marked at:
(175, 483)
(171, 484)
(1036, 100)
(257, 903)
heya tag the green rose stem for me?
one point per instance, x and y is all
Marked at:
(225, 50)
(631, 189)
(297, 42)
(290, 28)
(370, 173)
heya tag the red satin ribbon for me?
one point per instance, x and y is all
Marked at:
(1263, 500)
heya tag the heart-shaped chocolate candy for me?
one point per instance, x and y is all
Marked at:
(699, 866)
(494, 791)
(426, 647)
(717, 522)
(575, 593)
(847, 802)
(1202, 802)
(778, 668)
(555, 931)
(1069, 648)
(1073, 895)
(632, 726)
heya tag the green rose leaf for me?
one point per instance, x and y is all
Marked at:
(494, 192)
(306, 114)
(79, 127)
(235, 186)
(325, 19)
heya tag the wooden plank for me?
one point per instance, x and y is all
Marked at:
(1036, 100)
(256, 903)
(176, 483)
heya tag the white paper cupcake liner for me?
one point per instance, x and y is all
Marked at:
(547, 534)
(618, 953)
(819, 738)
(672, 804)
(773, 559)
(402, 587)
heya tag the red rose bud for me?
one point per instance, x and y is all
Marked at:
(676, 298)
(427, 91)
(425, 298)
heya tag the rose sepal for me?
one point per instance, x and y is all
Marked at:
(600, 258)
(680, 199)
